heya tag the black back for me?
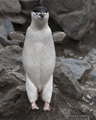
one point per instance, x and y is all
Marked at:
(40, 9)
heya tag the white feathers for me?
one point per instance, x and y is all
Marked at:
(39, 58)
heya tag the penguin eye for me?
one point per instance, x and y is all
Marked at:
(45, 13)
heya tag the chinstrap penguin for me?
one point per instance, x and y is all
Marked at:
(39, 58)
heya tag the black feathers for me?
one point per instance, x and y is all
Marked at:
(40, 9)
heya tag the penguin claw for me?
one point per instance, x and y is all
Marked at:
(34, 106)
(47, 107)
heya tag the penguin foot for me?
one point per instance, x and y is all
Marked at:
(34, 106)
(46, 107)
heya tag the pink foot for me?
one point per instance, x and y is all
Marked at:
(46, 107)
(34, 106)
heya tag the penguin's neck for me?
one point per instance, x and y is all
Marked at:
(36, 25)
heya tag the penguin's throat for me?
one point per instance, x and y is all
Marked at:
(39, 25)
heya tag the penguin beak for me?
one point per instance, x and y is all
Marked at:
(42, 15)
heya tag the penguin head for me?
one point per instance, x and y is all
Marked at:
(40, 14)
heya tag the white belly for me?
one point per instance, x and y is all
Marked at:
(39, 60)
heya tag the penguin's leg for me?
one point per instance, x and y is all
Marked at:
(47, 94)
(31, 92)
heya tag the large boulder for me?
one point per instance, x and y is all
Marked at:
(10, 6)
(65, 80)
(77, 67)
(14, 103)
(73, 16)
(28, 5)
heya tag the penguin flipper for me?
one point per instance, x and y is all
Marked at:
(58, 36)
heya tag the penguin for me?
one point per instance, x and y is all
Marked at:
(39, 58)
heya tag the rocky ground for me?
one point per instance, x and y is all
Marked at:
(74, 92)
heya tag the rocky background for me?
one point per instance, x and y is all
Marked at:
(75, 72)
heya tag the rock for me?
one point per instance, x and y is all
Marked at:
(80, 58)
(66, 113)
(73, 16)
(58, 36)
(7, 82)
(77, 67)
(17, 19)
(5, 27)
(56, 98)
(68, 53)
(65, 81)
(9, 7)
(93, 100)
(94, 113)
(89, 90)
(15, 105)
(16, 69)
(91, 57)
(18, 75)
(28, 5)
(92, 75)
(13, 102)
(1, 46)
(84, 108)
(10, 57)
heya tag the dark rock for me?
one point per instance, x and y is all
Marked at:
(9, 7)
(17, 19)
(13, 102)
(28, 5)
(89, 90)
(91, 57)
(68, 53)
(92, 75)
(66, 113)
(93, 100)
(15, 105)
(84, 108)
(18, 75)
(1, 46)
(65, 81)
(10, 57)
(94, 113)
(73, 16)
(77, 67)
(16, 69)
(7, 82)
(5, 27)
